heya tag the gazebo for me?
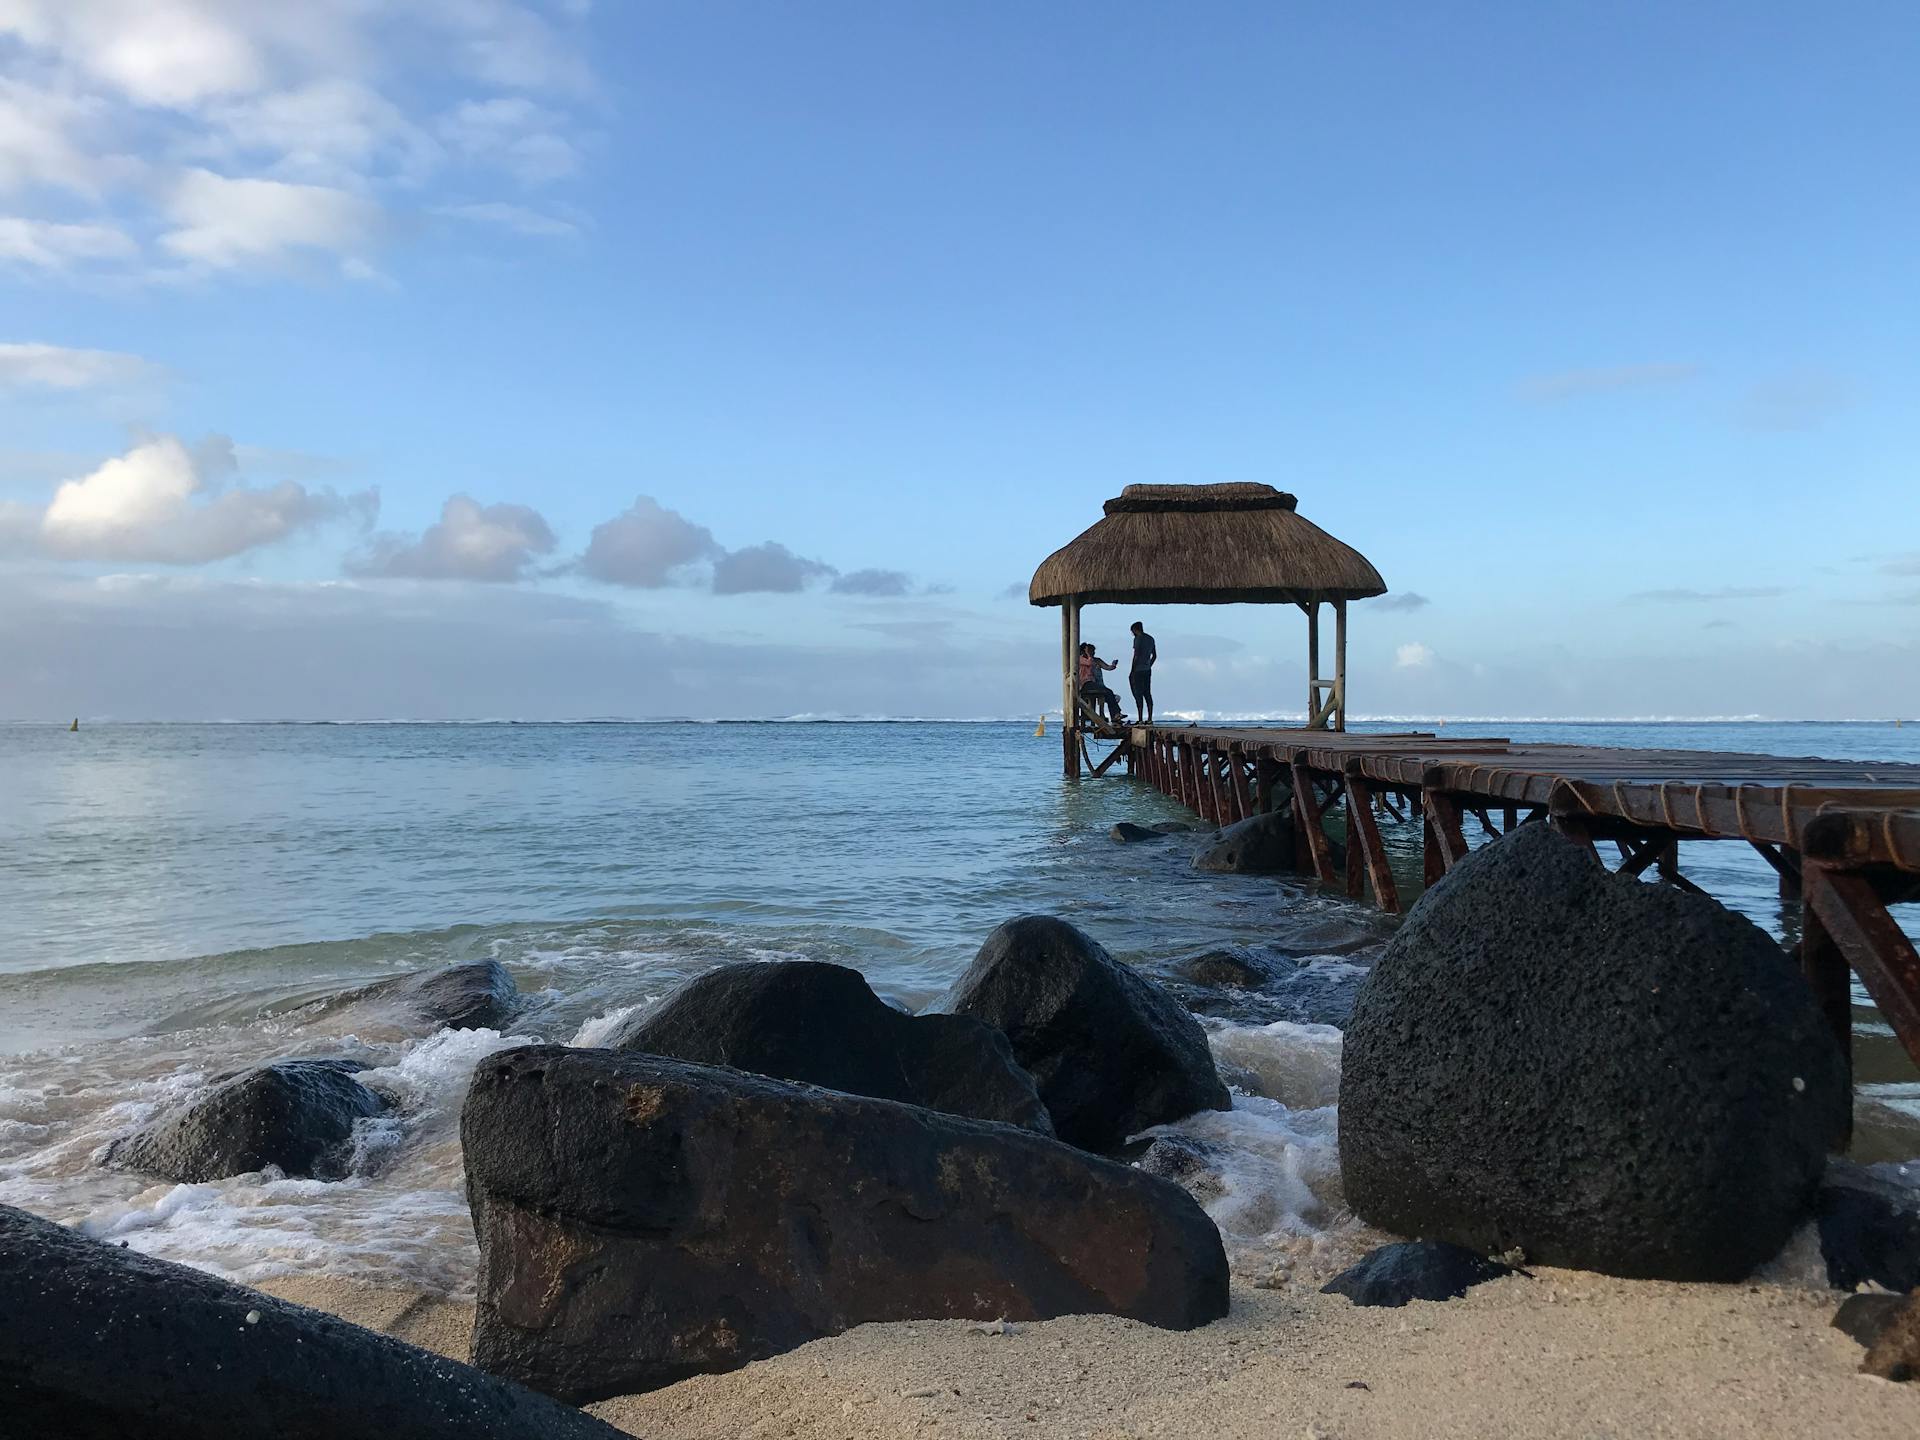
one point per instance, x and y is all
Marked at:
(1206, 545)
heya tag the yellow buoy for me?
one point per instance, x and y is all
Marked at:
(75, 725)
(1041, 728)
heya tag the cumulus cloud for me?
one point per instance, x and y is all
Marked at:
(470, 541)
(165, 503)
(765, 569)
(881, 584)
(1412, 656)
(222, 223)
(1400, 600)
(33, 366)
(170, 115)
(50, 245)
(646, 546)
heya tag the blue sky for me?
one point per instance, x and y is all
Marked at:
(496, 357)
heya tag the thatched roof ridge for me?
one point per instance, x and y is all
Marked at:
(1204, 545)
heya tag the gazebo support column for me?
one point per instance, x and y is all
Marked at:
(1072, 757)
(1340, 664)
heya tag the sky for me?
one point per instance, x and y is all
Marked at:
(557, 359)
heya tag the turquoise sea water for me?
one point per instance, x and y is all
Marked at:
(171, 894)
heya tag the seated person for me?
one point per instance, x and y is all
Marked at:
(1093, 689)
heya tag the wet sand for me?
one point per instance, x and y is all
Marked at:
(1564, 1353)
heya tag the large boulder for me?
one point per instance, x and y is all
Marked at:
(103, 1343)
(1869, 1229)
(478, 995)
(643, 1219)
(1603, 1073)
(1259, 845)
(1391, 1275)
(1112, 1053)
(820, 1024)
(295, 1114)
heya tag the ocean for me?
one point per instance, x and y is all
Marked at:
(173, 898)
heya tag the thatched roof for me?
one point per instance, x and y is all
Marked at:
(1203, 545)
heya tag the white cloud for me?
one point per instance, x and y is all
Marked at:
(513, 133)
(1412, 656)
(646, 546)
(222, 223)
(470, 541)
(29, 366)
(47, 245)
(164, 503)
(157, 110)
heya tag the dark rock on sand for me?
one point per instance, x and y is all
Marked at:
(1259, 845)
(103, 1343)
(820, 1024)
(1603, 1073)
(1895, 1351)
(1869, 1229)
(1112, 1053)
(1414, 1270)
(642, 1219)
(480, 995)
(296, 1114)
(1862, 1317)
(1127, 833)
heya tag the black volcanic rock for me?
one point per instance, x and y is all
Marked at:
(1258, 845)
(295, 1114)
(642, 1220)
(1869, 1229)
(98, 1342)
(479, 995)
(1392, 1275)
(1604, 1073)
(1112, 1053)
(821, 1024)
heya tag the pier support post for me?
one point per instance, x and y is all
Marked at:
(1306, 805)
(1363, 838)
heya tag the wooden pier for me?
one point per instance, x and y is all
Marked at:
(1842, 835)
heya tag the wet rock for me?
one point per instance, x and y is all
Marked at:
(1173, 827)
(1869, 1229)
(1227, 967)
(1895, 1352)
(1260, 845)
(1326, 935)
(480, 995)
(642, 1220)
(1112, 1053)
(1194, 1165)
(1862, 1317)
(1607, 1074)
(1392, 1275)
(1128, 833)
(103, 1343)
(295, 1114)
(1257, 986)
(820, 1024)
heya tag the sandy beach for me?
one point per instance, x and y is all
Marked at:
(1563, 1353)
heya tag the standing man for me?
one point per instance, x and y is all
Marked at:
(1140, 676)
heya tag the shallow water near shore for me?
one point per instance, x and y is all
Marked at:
(172, 897)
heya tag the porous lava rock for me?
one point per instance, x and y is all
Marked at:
(477, 995)
(1604, 1073)
(1112, 1053)
(820, 1024)
(98, 1342)
(1258, 845)
(1895, 1351)
(1391, 1275)
(294, 1114)
(642, 1219)
(1869, 1229)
